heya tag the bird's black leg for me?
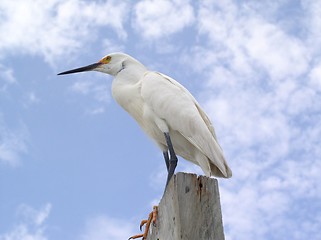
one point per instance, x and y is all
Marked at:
(166, 157)
(173, 158)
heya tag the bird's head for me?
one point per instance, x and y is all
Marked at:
(111, 64)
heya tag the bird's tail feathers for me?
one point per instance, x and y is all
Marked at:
(215, 171)
(211, 169)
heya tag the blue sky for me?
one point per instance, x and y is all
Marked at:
(74, 165)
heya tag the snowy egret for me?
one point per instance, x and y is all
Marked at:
(166, 111)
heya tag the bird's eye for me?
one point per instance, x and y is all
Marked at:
(105, 60)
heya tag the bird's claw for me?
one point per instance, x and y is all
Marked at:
(142, 223)
(155, 213)
(151, 219)
(136, 236)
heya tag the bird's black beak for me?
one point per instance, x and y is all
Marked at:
(82, 69)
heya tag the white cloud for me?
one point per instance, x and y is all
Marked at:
(99, 92)
(104, 227)
(158, 19)
(109, 46)
(6, 77)
(315, 77)
(32, 225)
(56, 28)
(82, 87)
(270, 48)
(97, 110)
(30, 99)
(255, 78)
(21, 232)
(251, 43)
(263, 94)
(33, 216)
(13, 143)
(312, 22)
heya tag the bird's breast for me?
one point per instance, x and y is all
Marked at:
(129, 98)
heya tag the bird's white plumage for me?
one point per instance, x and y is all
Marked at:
(160, 104)
(163, 107)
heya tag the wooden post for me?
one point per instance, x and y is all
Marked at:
(190, 209)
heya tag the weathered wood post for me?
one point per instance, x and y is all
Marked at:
(190, 210)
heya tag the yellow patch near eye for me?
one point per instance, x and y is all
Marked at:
(105, 60)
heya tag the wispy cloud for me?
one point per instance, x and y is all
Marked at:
(13, 143)
(56, 28)
(32, 224)
(6, 77)
(315, 77)
(30, 99)
(34, 216)
(104, 227)
(99, 92)
(158, 19)
(110, 45)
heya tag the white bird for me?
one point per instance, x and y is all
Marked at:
(166, 111)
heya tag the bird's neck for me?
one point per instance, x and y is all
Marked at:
(121, 69)
(129, 74)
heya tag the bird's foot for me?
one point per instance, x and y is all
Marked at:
(151, 219)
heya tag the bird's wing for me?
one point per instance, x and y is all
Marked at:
(174, 104)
